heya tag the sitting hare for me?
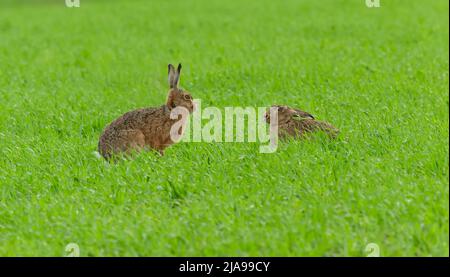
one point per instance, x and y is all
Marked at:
(296, 123)
(148, 127)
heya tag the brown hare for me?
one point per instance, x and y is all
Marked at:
(297, 124)
(147, 127)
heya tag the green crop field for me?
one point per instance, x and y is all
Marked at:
(379, 74)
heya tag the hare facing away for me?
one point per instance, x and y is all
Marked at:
(148, 127)
(297, 124)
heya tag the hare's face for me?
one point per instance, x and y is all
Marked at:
(177, 97)
(182, 99)
(284, 114)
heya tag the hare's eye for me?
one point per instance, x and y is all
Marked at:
(187, 97)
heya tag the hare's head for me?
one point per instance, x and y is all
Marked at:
(285, 114)
(178, 97)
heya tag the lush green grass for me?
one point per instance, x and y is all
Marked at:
(380, 75)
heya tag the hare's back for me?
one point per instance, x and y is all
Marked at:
(136, 119)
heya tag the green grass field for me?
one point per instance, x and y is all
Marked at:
(379, 74)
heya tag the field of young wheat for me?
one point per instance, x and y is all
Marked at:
(379, 74)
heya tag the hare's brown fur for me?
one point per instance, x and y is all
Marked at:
(145, 128)
(297, 123)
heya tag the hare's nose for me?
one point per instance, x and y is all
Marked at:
(194, 106)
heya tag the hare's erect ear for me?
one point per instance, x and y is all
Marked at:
(173, 80)
(177, 78)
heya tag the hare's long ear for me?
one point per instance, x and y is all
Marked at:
(173, 80)
(177, 78)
